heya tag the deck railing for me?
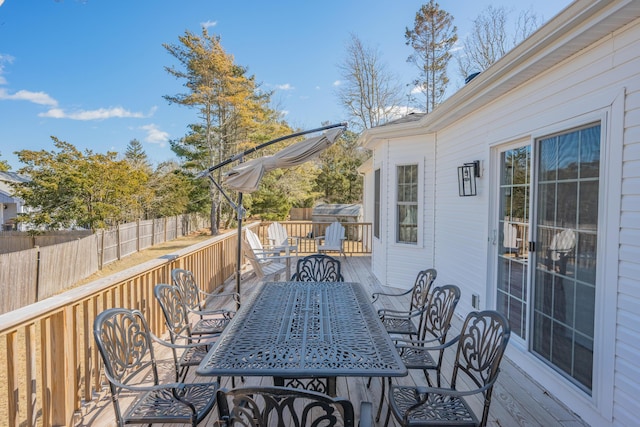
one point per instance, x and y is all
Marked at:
(358, 235)
(49, 365)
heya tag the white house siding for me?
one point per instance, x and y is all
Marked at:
(601, 82)
(378, 256)
(461, 222)
(398, 264)
(627, 347)
(576, 92)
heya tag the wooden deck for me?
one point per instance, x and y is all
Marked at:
(517, 399)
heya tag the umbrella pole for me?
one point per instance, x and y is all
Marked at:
(240, 211)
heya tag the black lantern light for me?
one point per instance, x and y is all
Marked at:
(467, 175)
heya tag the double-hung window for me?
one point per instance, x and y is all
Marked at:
(407, 204)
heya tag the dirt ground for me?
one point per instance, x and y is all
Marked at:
(148, 254)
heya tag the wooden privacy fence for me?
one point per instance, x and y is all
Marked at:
(31, 275)
(49, 365)
(38, 273)
(14, 241)
(126, 239)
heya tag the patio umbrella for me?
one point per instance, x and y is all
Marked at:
(246, 176)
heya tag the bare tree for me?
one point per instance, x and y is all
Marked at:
(370, 93)
(490, 38)
(432, 37)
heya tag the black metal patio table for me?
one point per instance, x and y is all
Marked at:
(305, 330)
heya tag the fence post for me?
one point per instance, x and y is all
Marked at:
(102, 250)
(138, 235)
(37, 272)
(118, 249)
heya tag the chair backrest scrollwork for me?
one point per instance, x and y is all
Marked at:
(318, 268)
(267, 406)
(481, 345)
(186, 283)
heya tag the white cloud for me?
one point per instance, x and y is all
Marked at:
(155, 135)
(99, 114)
(1, 1)
(39, 98)
(416, 90)
(4, 59)
(285, 86)
(337, 83)
(208, 24)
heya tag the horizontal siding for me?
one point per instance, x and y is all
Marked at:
(405, 261)
(627, 374)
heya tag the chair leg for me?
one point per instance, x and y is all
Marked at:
(426, 375)
(388, 417)
(382, 397)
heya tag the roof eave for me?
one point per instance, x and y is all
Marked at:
(579, 25)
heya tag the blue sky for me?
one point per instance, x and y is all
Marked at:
(91, 72)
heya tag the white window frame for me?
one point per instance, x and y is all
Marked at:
(394, 199)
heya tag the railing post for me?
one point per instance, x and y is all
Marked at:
(12, 379)
(63, 367)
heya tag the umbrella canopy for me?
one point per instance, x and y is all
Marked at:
(246, 177)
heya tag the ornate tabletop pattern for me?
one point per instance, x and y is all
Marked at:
(304, 329)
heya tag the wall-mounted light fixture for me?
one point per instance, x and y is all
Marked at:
(467, 175)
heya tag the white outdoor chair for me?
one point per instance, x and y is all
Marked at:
(511, 242)
(263, 260)
(333, 239)
(279, 238)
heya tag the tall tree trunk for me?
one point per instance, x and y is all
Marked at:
(214, 211)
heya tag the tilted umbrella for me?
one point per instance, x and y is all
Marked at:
(246, 176)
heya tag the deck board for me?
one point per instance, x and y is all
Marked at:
(517, 399)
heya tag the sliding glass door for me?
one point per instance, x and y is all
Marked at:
(546, 252)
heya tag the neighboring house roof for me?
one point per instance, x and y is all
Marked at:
(5, 198)
(6, 178)
(12, 177)
(579, 25)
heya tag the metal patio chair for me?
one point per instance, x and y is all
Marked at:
(318, 268)
(481, 345)
(211, 321)
(176, 317)
(426, 353)
(283, 406)
(402, 322)
(125, 344)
